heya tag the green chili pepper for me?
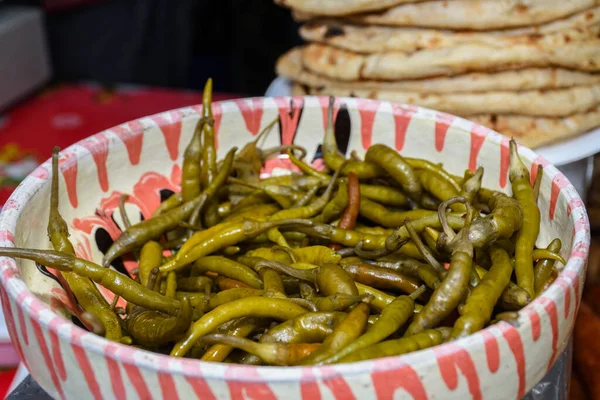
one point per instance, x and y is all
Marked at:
(479, 306)
(392, 317)
(347, 331)
(419, 341)
(395, 165)
(545, 271)
(114, 281)
(152, 328)
(260, 307)
(527, 235)
(84, 290)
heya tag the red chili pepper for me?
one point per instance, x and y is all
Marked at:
(348, 219)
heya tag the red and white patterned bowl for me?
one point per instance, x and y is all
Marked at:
(143, 157)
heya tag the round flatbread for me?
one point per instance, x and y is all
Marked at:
(543, 103)
(470, 14)
(290, 66)
(344, 65)
(529, 131)
(535, 132)
(340, 7)
(379, 39)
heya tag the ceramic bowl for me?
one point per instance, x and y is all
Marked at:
(143, 158)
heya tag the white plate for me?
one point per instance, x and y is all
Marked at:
(558, 154)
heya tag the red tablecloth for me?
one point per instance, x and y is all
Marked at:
(64, 115)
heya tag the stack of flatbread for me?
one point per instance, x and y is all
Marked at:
(526, 68)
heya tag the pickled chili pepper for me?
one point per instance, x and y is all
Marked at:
(538, 181)
(336, 205)
(440, 188)
(400, 236)
(317, 255)
(420, 164)
(153, 329)
(505, 219)
(124, 216)
(307, 198)
(209, 154)
(211, 215)
(211, 190)
(259, 307)
(307, 169)
(283, 195)
(114, 281)
(153, 228)
(226, 296)
(545, 271)
(348, 219)
(527, 235)
(311, 327)
(393, 317)
(329, 278)
(271, 353)
(431, 260)
(258, 211)
(379, 299)
(547, 254)
(345, 333)
(229, 236)
(478, 308)
(271, 280)
(333, 159)
(385, 195)
(241, 327)
(193, 284)
(471, 185)
(192, 160)
(150, 257)
(381, 278)
(225, 283)
(335, 302)
(174, 201)
(295, 181)
(171, 285)
(84, 290)
(455, 284)
(388, 348)
(513, 297)
(395, 165)
(413, 268)
(249, 161)
(229, 268)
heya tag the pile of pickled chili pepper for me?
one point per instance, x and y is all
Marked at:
(368, 258)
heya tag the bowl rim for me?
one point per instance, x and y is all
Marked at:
(36, 309)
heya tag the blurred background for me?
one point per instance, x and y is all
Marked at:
(167, 43)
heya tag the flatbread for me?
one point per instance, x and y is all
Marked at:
(290, 66)
(529, 131)
(349, 66)
(544, 103)
(379, 39)
(535, 132)
(470, 14)
(340, 7)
